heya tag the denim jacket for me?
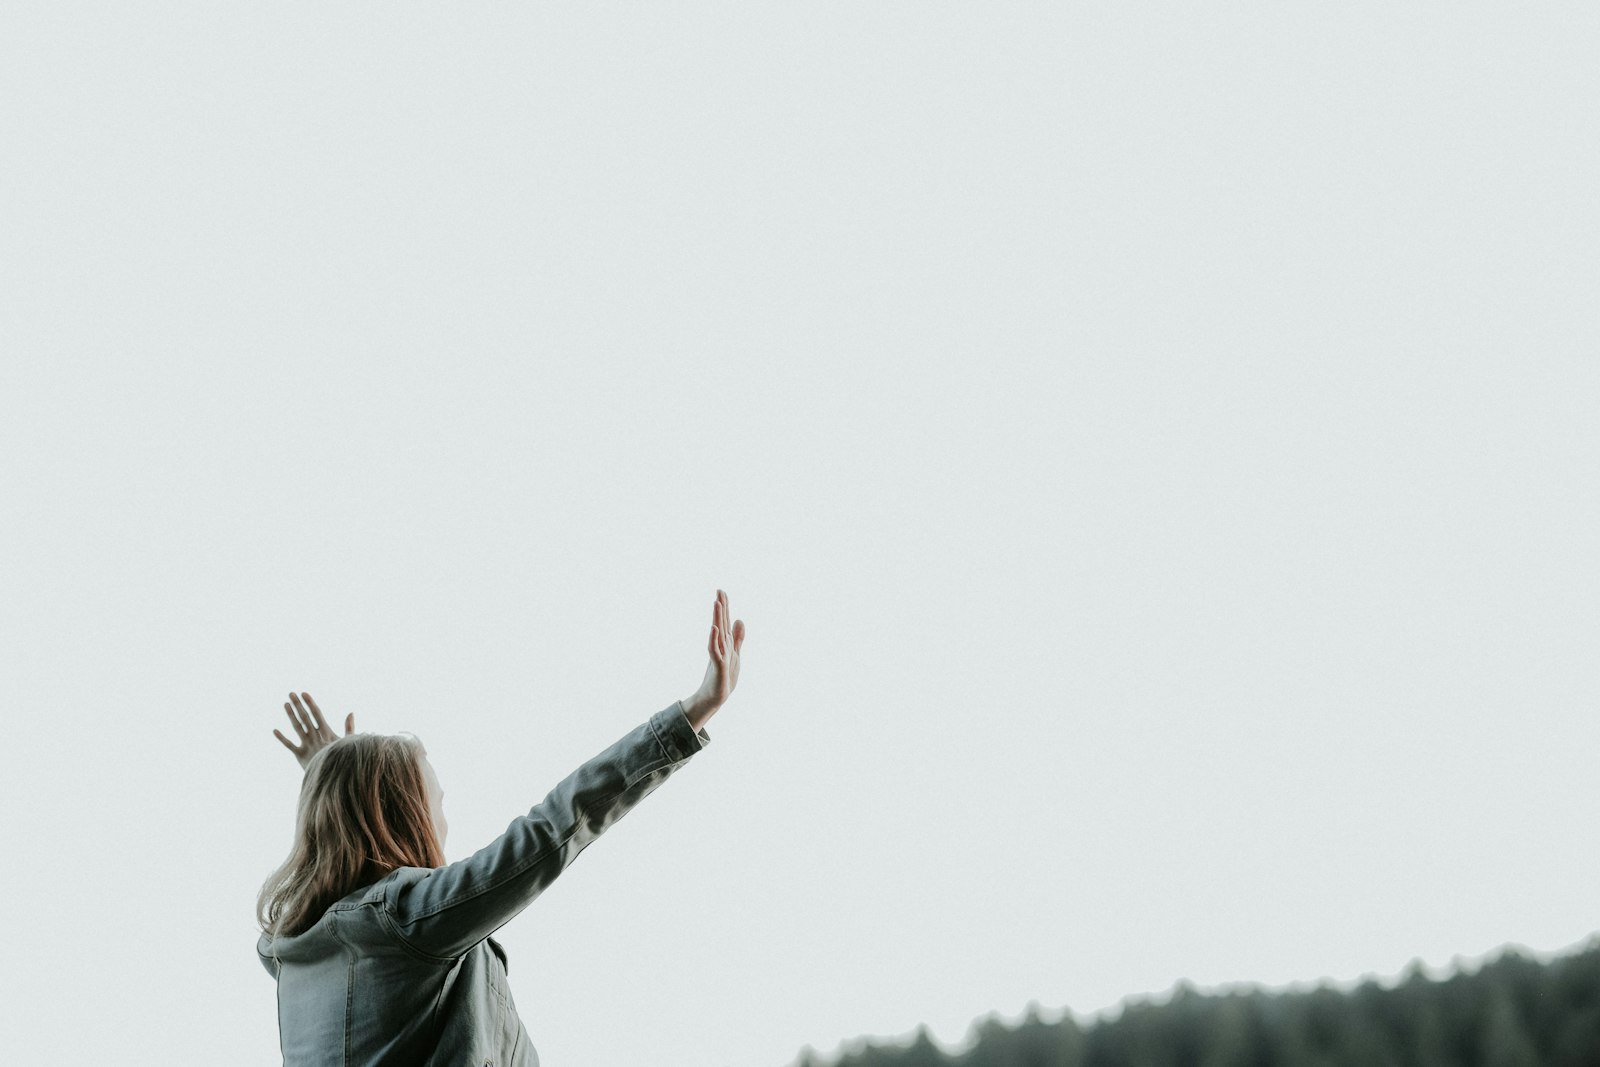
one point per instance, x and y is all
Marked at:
(403, 971)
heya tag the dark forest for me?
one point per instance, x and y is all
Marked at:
(1513, 1011)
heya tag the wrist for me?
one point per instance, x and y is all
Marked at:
(698, 709)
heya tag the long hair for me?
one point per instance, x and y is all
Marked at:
(363, 813)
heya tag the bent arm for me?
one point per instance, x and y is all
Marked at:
(445, 911)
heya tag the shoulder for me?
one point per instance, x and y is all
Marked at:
(265, 955)
(377, 892)
(397, 880)
(392, 890)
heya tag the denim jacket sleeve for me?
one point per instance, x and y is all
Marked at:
(444, 911)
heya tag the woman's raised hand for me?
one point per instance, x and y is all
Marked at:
(722, 673)
(313, 731)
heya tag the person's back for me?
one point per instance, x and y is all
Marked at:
(350, 991)
(401, 970)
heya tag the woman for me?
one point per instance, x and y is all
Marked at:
(381, 950)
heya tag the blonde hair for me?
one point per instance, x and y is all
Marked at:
(363, 813)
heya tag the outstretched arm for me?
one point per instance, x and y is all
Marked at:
(443, 911)
(313, 730)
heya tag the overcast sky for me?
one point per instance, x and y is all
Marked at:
(1153, 449)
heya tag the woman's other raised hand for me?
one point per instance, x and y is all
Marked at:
(313, 730)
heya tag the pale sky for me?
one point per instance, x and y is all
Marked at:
(1153, 449)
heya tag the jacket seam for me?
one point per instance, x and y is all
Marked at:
(406, 945)
(674, 752)
(349, 992)
(277, 996)
(349, 1010)
(660, 741)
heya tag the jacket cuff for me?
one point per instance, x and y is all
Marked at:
(677, 738)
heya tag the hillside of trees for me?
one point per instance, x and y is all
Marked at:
(1513, 1011)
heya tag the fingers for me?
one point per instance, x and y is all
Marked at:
(301, 717)
(321, 722)
(350, 723)
(306, 720)
(299, 727)
(292, 748)
(730, 634)
(308, 723)
(733, 633)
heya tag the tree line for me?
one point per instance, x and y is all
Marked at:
(1514, 1011)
